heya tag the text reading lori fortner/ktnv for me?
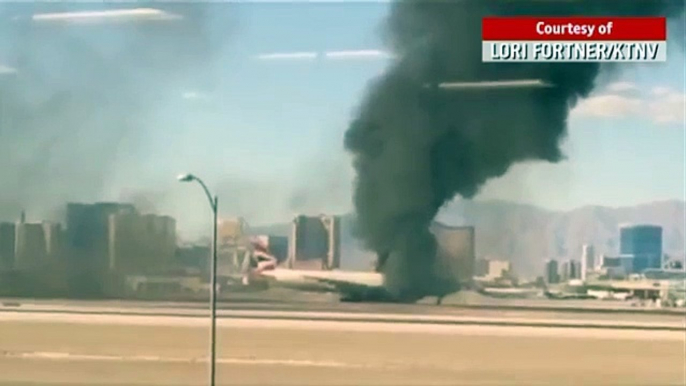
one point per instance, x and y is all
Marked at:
(574, 39)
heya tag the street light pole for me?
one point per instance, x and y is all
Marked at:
(214, 204)
(213, 297)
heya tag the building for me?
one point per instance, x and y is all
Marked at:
(232, 245)
(31, 259)
(564, 271)
(54, 240)
(457, 245)
(29, 246)
(618, 266)
(673, 262)
(644, 289)
(574, 269)
(552, 275)
(570, 270)
(481, 267)
(140, 244)
(7, 239)
(36, 244)
(644, 243)
(195, 257)
(666, 274)
(315, 243)
(87, 241)
(232, 232)
(87, 230)
(587, 260)
(491, 268)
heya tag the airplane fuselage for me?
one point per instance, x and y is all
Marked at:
(319, 281)
(352, 286)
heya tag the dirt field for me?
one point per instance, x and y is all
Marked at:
(40, 353)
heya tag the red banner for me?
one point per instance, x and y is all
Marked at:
(574, 28)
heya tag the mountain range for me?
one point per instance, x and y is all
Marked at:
(527, 235)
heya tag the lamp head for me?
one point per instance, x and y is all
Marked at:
(185, 177)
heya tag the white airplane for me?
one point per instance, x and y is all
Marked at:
(352, 286)
(517, 293)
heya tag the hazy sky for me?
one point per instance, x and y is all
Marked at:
(266, 131)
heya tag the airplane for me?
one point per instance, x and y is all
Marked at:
(516, 293)
(567, 296)
(352, 286)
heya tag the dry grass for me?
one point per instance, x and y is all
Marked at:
(415, 359)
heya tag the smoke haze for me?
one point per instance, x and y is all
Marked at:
(415, 148)
(87, 96)
(114, 111)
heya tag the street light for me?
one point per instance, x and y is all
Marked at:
(213, 274)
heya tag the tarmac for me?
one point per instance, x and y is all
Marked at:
(147, 343)
(298, 302)
(292, 300)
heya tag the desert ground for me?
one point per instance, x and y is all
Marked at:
(48, 348)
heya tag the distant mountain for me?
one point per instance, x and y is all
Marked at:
(527, 235)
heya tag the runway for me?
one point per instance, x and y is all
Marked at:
(291, 305)
(290, 300)
(271, 347)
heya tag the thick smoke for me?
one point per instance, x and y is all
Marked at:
(87, 97)
(415, 148)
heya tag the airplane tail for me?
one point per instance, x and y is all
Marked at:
(259, 260)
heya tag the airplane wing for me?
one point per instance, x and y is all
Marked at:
(342, 285)
(355, 290)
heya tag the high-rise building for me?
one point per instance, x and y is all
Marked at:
(140, 244)
(54, 240)
(574, 269)
(570, 270)
(644, 243)
(601, 261)
(618, 266)
(7, 240)
(564, 271)
(231, 231)
(551, 272)
(315, 243)
(491, 268)
(88, 243)
(457, 250)
(587, 260)
(87, 226)
(29, 246)
(232, 245)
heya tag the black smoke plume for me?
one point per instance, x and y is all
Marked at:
(415, 148)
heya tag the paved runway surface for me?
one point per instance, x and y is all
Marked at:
(627, 315)
(296, 300)
(47, 348)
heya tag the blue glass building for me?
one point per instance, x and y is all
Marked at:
(644, 243)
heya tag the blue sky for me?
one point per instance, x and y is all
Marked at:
(625, 144)
(267, 134)
(283, 121)
(294, 113)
